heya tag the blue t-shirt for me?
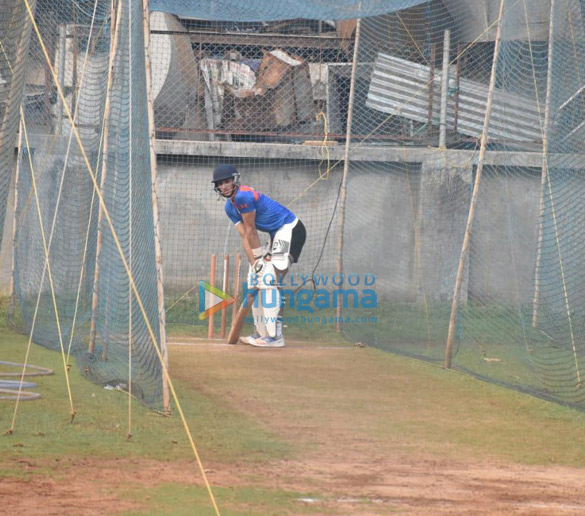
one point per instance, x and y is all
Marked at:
(270, 215)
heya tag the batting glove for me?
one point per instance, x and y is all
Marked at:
(258, 265)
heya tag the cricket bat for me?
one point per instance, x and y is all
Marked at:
(238, 322)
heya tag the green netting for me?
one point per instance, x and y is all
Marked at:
(407, 201)
(541, 349)
(268, 87)
(14, 40)
(108, 336)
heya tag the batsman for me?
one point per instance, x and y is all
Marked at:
(252, 211)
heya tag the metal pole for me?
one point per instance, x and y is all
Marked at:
(155, 213)
(62, 50)
(444, 90)
(544, 172)
(346, 164)
(431, 89)
(457, 86)
(96, 276)
(474, 195)
(75, 60)
(12, 295)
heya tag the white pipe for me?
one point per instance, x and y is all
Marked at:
(62, 49)
(444, 90)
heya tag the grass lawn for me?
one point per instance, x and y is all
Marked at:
(309, 429)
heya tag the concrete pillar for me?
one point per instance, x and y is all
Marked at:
(445, 191)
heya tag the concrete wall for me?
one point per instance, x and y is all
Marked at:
(195, 226)
(6, 247)
(445, 192)
(403, 222)
(504, 240)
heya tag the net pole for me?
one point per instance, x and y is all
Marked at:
(431, 89)
(544, 171)
(155, 211)
(61, 74)
(457, 86)
(474, 195)
(343, 194)
(116, 17)
(444, 90)
(12, 293)
(74, 64)
(130, 210)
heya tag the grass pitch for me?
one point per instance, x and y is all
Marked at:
(304, 430)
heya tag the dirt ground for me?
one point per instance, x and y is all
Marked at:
(359, 475)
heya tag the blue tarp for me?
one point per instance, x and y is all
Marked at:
(266, 10)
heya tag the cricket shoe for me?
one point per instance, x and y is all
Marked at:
(269, 342)
(250, 338)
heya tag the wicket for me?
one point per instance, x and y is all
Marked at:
(224, 287)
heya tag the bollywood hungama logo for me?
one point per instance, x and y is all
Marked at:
(319, 297)
(212, 300)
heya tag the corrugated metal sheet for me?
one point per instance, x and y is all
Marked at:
(400, 87)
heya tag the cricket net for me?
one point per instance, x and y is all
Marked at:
(273, 97)
(433, 151)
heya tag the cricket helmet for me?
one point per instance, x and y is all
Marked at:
(225, 171)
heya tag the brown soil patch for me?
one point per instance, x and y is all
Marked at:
(364, 485)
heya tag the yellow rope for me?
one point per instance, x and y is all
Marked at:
(182, 297)
(27, 203)
(23, 128)
(6, 56)
(48, 264)
(562, 269)
(29, 344)
(564, 282)
(325, 155)
(535, 301)
(578, 68)
(123, 259)
(412, 38)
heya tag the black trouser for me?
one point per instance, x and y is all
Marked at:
(297, 241)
